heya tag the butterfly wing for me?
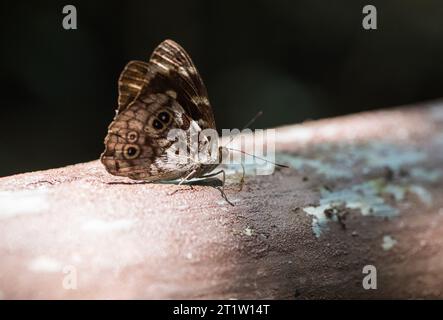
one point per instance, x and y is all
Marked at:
(155, 97)
(175, 65)
(134, 77)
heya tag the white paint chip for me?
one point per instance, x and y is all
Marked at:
(340, 162)
(422, 194)
(365, 197)
(97, 225)
(319, 219)
(384, 155)
(45, 264)
(426, 175)
(249, 231)
(388, 243)
(321, 167)
(22, 203)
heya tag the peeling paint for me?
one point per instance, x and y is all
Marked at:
(350, 161)
(398, 192)
(388, 242)
(426, 174)
(340, 161)
(422, 194)
(382, 155)
(321, 167)
(319, 219)
(248, 231)
(365, 197)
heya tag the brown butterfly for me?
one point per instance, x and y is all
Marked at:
(155, 97)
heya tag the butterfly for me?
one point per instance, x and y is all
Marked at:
(156, 97)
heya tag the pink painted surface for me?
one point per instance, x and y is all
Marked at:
(126, 239)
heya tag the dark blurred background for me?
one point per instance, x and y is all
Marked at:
(295, 60)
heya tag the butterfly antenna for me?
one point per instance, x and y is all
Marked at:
(259, 114)
(252, 155)
(231, 138)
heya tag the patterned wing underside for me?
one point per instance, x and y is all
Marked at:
(168, 82)
(133, 128)
(174, 64)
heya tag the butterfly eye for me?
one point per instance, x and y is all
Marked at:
(157, 124)
(131, 151)
(164, 117)
(132, 136)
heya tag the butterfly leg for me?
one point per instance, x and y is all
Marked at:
(182, 181)
(242, 180)
(222, 189)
